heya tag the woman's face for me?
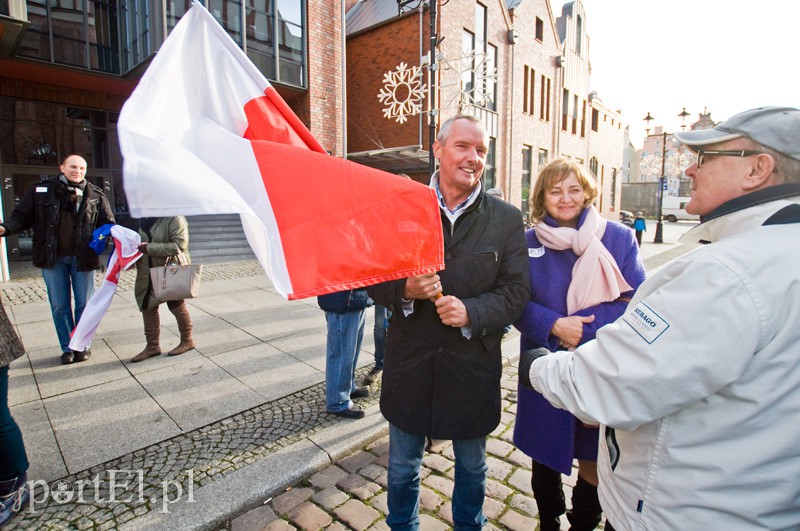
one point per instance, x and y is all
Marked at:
(564, 201)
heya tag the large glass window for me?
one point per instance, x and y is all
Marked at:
(291, 42)
(259, 29)
(526, 183)
(115, 36)
(489, 177)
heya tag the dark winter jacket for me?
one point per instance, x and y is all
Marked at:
(435, 381)
(40, 208)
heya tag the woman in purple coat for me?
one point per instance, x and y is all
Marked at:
(583, 271)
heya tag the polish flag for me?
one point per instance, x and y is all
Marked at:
(126, 253)
(205, 133)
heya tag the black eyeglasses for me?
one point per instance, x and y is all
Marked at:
(701, 153)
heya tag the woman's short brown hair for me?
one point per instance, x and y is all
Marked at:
(554, 173)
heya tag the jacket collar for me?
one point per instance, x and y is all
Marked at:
(743, 213)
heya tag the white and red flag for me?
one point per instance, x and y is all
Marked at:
(205, 133)
(126, 253)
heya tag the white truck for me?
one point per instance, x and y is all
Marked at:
(674, 209)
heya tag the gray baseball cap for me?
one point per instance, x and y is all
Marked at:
(777, 128)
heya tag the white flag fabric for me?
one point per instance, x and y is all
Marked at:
(205, 133)
(126, 253)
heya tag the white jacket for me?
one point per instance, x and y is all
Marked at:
(700, 379)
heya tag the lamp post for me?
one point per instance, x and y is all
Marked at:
(662, 178)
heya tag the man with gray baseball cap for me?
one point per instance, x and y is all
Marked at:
(697, 385)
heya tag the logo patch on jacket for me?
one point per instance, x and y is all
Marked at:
(645, 322)
(537, 252)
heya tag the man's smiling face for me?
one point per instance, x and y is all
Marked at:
(462, 156)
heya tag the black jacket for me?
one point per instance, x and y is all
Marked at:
(41, 209)
(436, 382)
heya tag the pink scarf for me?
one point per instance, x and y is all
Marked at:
(596, 276)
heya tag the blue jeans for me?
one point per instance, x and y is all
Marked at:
(382, 316)
(62, 280)
(345, 333)
(13, 460)
(405, 456)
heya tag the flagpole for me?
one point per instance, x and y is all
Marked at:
(433, 69)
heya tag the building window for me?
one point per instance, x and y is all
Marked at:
(593, 167)
(489, 168)
(543, 155)
(539, 29)
(574, 114)
(526, 182)
(578, 35)
(564, 109)
(583, 119)
(491, 79)
(529, 87)
(544, 110)
(595, 120)
(612, 196)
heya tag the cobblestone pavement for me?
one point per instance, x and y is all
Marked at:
(351, 493)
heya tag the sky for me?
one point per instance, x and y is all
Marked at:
(721, 55)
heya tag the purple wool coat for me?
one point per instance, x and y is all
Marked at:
(554, 437)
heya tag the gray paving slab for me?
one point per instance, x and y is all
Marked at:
(197, 392)
(44, 454)
(98, 423)
(308, 348)
(54, 379)
(24, 389)
(268, 371)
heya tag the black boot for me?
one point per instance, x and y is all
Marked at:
(549, 496)
(586, 511)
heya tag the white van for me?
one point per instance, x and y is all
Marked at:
(674, 209)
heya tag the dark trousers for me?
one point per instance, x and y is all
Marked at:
(13, 460)
(638, 237)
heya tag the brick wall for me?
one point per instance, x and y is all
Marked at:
(321, 109)
(369, 56)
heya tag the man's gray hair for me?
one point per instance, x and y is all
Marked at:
(786, 168)
(444, 132)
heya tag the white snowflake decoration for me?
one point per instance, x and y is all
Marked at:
(402, 92)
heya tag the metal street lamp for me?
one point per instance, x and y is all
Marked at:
(662, 179)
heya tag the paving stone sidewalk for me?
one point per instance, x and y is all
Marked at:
(351, 493)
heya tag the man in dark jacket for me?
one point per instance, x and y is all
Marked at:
(64, 211)
(443, 364)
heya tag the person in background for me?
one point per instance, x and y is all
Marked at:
(161, 239)
(443, 363)
(697, 385)
(13, 459)
(583, 271)
(639, 226)
(345, 315)
(64, 211)
(497, 192)
(382, 316)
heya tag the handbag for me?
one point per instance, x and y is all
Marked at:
(176, 280)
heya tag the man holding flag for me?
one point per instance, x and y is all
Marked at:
(63, 212)
(443, 363)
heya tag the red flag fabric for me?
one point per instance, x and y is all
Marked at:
(205, 133)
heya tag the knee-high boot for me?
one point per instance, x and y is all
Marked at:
(152, 332)
(549, 496)
(586, 511)
(184, 320)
